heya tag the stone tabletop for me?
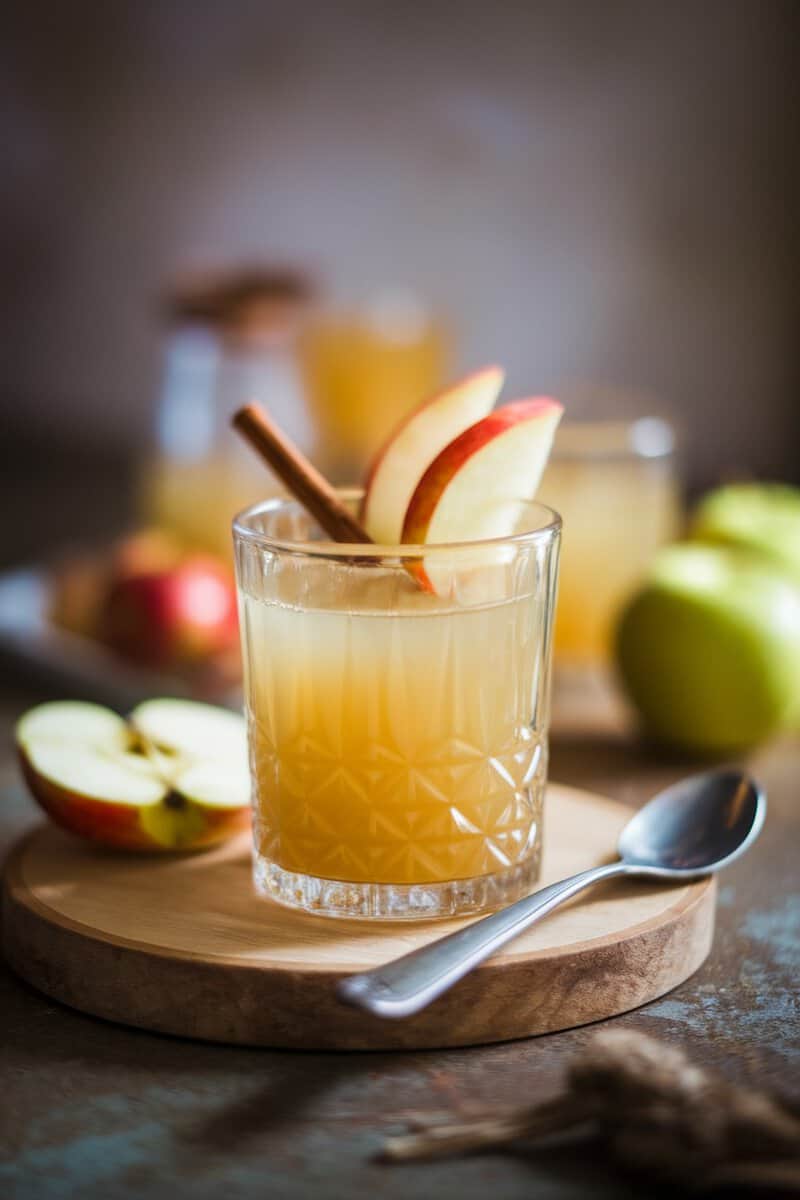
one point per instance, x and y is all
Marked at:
(95, 1110)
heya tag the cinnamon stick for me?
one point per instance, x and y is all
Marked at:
(301, 477)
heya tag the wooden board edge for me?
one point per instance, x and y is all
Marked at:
(274, 1007)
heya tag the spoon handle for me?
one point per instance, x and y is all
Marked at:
(406, 985)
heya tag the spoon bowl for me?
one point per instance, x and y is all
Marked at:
(689, 830)
(697, 826)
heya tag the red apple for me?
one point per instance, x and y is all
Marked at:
(167, 617)
(415, 443)
(477, 486)
(80, 580)
(172, 777)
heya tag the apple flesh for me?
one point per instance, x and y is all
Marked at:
(477, 487)
(180, 615)
(709, 649)
(402, 461)
(188, 729)
(172, 777)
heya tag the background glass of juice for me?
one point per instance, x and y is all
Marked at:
(365, 369)
(616, 487)
(398, 738)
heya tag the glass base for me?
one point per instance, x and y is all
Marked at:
(395, 901)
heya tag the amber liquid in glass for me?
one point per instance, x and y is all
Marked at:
(392, 738)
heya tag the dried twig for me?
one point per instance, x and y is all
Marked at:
(442, 1139)
(653, 1108)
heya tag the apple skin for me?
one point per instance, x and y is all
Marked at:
(86, 768)
(80, 581)
(709, 650)
(98, 820)
(197, 828)
(761, 517)
(128, 827)
(452, 459)
(180, 615)
(482, 389)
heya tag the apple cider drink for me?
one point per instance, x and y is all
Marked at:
(397, 701)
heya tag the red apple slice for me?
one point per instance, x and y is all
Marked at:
(98, 776)
(477, 487)
(415, 443)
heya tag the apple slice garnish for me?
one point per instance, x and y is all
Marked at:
(173, 778)
(402, 461)
(478, 485)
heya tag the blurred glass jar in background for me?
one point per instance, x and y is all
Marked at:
(615, 484)
(364, 370)
(232, 339)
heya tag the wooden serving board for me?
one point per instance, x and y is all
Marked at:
(182, 945)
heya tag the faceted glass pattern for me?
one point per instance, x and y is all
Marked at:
(398, 739)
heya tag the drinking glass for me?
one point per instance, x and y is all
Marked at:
(616, 487)
(398, 735)
(366, 369)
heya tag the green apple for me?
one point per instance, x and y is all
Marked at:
(762, 517)
(709, 649)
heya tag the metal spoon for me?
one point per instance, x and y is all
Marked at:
(688, 830)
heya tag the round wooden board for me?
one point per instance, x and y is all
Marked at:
(182, 945)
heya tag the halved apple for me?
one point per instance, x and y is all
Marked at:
(402, 461)
(191, 730)
(477, 487)
(173, 777)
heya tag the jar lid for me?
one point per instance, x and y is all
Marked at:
(249, 304)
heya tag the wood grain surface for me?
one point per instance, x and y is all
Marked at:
(182, 945)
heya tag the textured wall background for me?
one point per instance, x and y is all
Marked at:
(591, 190)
